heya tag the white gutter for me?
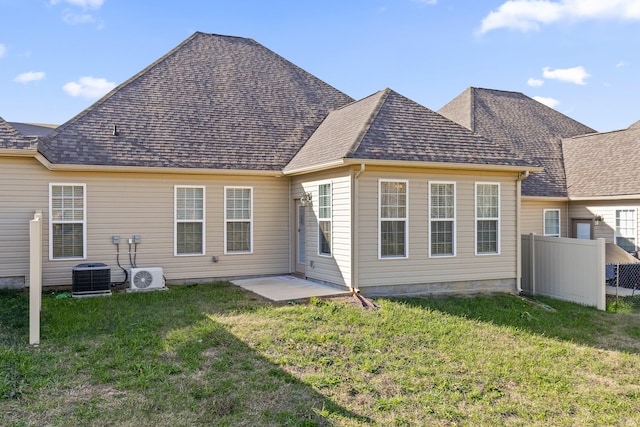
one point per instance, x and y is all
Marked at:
(521, 176)
(162, 170)
(17, 152)
(355, 241)
(410, 164)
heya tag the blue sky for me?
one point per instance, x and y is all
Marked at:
(582, 57)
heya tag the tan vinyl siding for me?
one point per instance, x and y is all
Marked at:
(336, 268)
(125, 204)
(531, 219)
(419, 268)
(21, 194)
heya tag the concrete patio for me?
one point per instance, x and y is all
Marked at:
(287, 288)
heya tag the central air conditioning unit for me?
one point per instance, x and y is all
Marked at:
(146, 279)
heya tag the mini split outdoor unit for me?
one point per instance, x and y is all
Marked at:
(146, 279)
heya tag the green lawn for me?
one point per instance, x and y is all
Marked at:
(216, 355)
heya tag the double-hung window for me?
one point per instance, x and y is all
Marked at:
(626, 233)
(487, 218)
(67, 221)
(238, 218)
(189, 227)
(442, 218)
(551, 222)
(393, 215)
(324, 219)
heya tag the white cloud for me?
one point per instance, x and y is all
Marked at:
(535, 82)
(3, 50)
(85, 4)
(618, 65)
(89, 87)
(29, 77)
(426, 1)
(528, 15)
(73, 18)
(575, 75)
(549, 102)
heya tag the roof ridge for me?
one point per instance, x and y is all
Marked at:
(384, 94)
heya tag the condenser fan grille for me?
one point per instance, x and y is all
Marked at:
(146, 279)
(142, 279)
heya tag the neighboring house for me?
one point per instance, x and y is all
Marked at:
(602, 184)
(227, 161)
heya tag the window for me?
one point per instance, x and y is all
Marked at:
(442, 212)
(487, 218)
(324, 219)
(238, 217)
(189, 220)
(67, 221)
(551, 222)
(626, 229)
(393, 210)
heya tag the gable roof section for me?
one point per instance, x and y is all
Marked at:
(11, 139)
(387, 126)
(603, 164)
(532, 129)
(214, 102)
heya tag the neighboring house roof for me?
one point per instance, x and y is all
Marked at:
(603, 164)
(33, 129)
(533, 130)
(10, 138)
(214, 102)
(388, 126)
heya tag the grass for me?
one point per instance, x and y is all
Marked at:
(216, 355)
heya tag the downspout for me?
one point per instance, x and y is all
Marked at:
(521, 176)
(355, 241)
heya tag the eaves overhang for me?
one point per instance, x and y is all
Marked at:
(158, 170)
(412, 164)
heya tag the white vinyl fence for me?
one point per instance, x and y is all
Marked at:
(566, 269)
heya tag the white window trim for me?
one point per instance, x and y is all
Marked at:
(329, 220)
(454, 219)
(475, 214)
(250, 220)
(615, 227)
(84, 220)
(175, 220)
(544, 222)
(406, 220)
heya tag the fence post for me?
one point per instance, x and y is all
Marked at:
(35, 277)
(532, 262)
(601, 296)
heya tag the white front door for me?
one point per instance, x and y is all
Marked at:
(301, 258)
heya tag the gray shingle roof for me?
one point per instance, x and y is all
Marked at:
(31, 129)
(533, 130)
(215, 102)
(389, 126)
(10, 138)
(603, 164)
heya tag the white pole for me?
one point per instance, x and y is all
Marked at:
(35, 277)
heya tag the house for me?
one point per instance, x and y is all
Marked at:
(582, 191)
(225, 160)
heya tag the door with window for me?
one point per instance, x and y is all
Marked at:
(583, 229)
(300, 239)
